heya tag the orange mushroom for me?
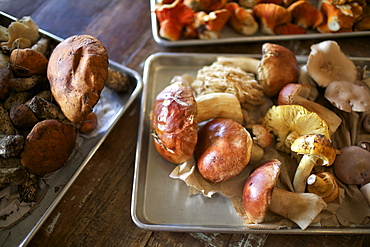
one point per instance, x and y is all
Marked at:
(289, 28)
(337, 19)
(173, 18)
(207, 26)
(205, 5)
(241, 19)
(271, 15)
(324, 185)
(305, 15)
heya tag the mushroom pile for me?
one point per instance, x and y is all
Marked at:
(305, 144)
(204, 19)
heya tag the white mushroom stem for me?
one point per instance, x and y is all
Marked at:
(247, 64)
(320, 185)
(304, 170)
(365, 190)
(301, 208)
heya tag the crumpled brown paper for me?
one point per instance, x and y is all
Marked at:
(349, 209)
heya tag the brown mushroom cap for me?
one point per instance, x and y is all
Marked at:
(258, 190)
(278, 67)
(352, 165)
(348, 96)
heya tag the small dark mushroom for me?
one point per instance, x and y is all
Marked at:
(352, 165)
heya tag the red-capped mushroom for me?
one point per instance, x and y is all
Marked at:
(260, 194)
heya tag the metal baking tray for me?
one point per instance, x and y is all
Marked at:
(163, 204)
(230, 36)
(20, 234)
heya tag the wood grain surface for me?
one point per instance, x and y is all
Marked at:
(95, 211)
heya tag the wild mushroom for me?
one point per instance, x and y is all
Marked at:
(336, 17)
(261, 139)
(348, 96)
(241, 19)
(317, 150)
(173, 18)
(305, 15)
(289, 28)
(296, 94)
(271, 15)
(327, 63)
(209, 25)
(288, 122)
(213, 105)
(205, 5)
(261, 195)
(324, 185)
(275, 59)
(352, 165)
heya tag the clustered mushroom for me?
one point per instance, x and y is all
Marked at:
(204, 19)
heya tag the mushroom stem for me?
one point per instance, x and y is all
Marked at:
(324, 185)
(248, 64)
(301, 208)
(317, 182)
(304, 170)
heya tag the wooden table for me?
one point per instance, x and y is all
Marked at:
(96, 209)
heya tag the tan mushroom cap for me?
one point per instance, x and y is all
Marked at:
(326, 63)
(348, 96)
(258, 190)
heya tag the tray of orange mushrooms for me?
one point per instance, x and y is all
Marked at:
(196, 22)
(229, 143)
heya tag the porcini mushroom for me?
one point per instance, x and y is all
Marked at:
(213, 105)
(316, 150)
(296, 94)
(352, 165)
(260, 194)
(288, 122)
(348, 96)
(275, 60)
(173, 18)
(326, 63)
(324, 185)
(241, 19)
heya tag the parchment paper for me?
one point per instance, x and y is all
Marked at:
(349, 209)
